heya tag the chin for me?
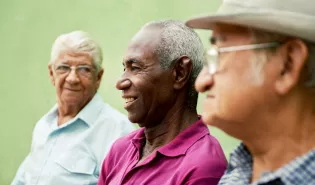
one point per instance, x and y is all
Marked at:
(133, 118)
(208, 118)
(72, 100)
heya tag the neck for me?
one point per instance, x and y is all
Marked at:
(67, 112)
(290, 135)
(173, 123)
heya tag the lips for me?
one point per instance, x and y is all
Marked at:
(74, 90)
(210, 96)
(129, 101)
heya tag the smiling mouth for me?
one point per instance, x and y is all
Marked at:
(129, 100)
(75, 90)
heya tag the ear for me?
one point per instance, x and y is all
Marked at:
(181, 72)
(294, 54)
(51, 74)
(99, 77)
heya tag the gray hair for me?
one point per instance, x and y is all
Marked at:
(263, 36)
(78, 42)
(177, 40)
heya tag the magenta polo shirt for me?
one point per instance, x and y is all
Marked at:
(193, 157)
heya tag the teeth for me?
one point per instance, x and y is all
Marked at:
(129, 100)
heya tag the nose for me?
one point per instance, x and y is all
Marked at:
(123, 83)
(72, 77)
(204, 80)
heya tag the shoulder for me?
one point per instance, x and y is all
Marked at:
(43, 127)
(207, 157)
(233, 177)
(116, 119)
(46, 120)
(108, 112)
(121, 147)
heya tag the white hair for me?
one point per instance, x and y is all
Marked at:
(261, 59)
(177, 40)
(78, 42)
(258, 61)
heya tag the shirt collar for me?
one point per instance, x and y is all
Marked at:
(138, 139)
(181, 143)
(52, 113)
(240, 157)
(185, 140)
(88, 114)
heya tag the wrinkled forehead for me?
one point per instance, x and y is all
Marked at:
(70, 57)
(143, 44)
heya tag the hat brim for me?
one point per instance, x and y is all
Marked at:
(274, 21)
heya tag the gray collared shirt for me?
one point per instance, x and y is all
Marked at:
(300, 171)
(72, 154)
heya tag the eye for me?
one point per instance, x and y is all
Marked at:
(84, 69)
(133, 68)
(62, 68)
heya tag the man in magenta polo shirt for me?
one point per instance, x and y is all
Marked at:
(173, 146)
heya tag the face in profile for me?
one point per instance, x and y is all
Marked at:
(145, 86)
(236, 91)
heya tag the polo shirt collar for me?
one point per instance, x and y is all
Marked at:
(138, 139)
(185, 140)
(181, 143)
(88, 114)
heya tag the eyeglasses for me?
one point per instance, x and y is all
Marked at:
(82, 70)
(213, 53)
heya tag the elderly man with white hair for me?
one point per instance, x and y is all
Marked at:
(260, 80)
(70, 142)
(173, 145)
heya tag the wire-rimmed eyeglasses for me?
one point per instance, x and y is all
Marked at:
(214, 52)
(81, 70)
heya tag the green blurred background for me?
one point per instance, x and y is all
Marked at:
(27, 31)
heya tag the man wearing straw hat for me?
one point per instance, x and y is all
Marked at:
(259, 81)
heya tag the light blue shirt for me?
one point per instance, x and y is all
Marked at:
(72, 154)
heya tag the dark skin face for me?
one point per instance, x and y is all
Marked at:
(155, 97)
(145, 86)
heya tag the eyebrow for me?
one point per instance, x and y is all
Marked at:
(67, 63)
(130, 61)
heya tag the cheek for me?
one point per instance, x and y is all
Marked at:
(209, 110)
(236, 96)
(237, 89)
(58, 83)
(89, 85)
(227, 96)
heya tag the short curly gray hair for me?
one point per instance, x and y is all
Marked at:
(178, 40)
(77, 41)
